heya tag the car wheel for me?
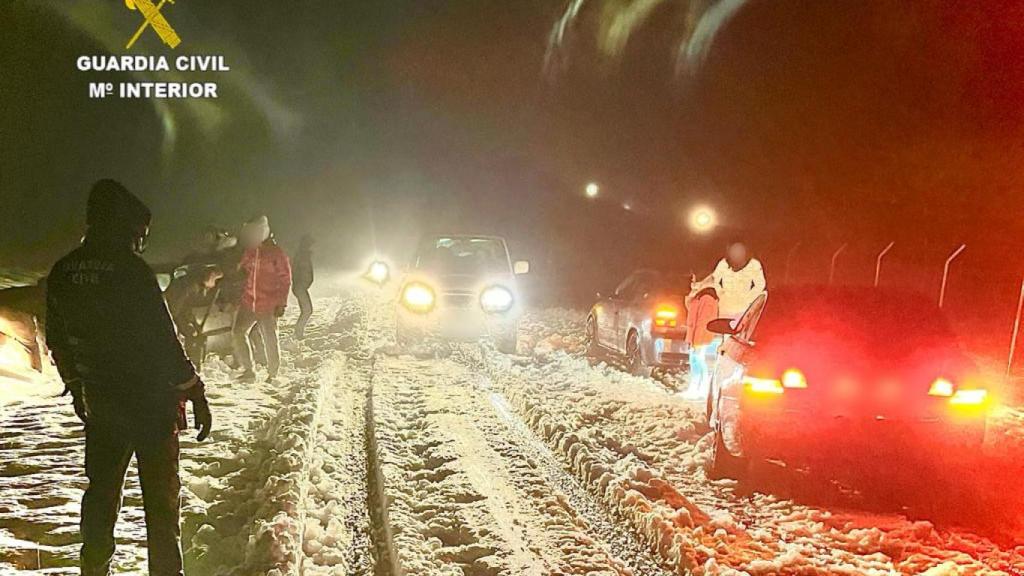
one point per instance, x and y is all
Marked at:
(634, 358)
(723, 464)
(590, 337)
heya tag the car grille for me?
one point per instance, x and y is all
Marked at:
(458, 300)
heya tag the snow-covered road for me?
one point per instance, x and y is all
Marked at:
(363, 460)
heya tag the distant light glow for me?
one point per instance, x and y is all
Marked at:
(627, 206)
(592, 190)
(702, 219)
(378, 272)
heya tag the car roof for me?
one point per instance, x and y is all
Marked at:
(883, 314)
(822, 295)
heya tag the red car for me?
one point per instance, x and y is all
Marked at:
(841, 375)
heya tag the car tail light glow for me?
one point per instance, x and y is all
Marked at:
(942, 387)
(794, 378)
(763, 385)
(973, 397)
(666, 316)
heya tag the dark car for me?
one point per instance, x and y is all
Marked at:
(841, 375)
(644, 321)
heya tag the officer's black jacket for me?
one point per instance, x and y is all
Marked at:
(109, 329)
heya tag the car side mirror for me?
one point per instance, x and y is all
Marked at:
(521, 267)
(721, 326)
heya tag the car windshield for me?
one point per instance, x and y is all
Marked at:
(463, 255)
(671, 283)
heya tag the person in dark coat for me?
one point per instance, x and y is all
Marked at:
(184, 295)
(117, 351)
(302, 279)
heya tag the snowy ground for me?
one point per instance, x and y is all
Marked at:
(364, 460)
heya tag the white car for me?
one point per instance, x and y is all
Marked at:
(461, 288)
(644, 321)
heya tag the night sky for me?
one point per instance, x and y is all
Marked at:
(367, 123)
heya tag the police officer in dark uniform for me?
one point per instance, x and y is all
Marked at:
(117, 351)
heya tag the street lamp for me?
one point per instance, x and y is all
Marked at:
(593, 190)
(702, 219)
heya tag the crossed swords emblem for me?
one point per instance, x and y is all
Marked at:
(155, 19)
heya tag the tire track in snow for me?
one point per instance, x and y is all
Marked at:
(385, 556)
(336, 531)
(472, 495)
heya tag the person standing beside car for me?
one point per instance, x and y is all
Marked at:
(268, 278)
(738, 280)
(116, 349)
(302, 280)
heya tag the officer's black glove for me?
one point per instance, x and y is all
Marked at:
(279, 311)
(200, 408)
(203, 417)
(73, 386)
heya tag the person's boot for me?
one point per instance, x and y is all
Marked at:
(247, 376)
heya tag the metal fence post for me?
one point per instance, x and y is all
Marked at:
(945, 273)
(832, 267)
(878, 262)
(1016, 329)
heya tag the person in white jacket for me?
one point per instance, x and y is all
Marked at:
(738, 279)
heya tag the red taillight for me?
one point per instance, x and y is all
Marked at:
(973, 397)
(763, 385)
(942, 387)
(666, 316)
(793, 378)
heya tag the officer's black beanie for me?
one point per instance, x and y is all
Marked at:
(112, 206)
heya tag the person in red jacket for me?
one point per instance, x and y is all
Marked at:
(268, 279)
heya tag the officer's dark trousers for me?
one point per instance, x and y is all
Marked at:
(108, 451)
(305, 310)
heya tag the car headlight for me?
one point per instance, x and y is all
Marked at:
(496, 299)
(378, 272)
(418, 297)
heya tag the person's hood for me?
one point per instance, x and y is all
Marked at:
(115, 215)
(255, 231)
